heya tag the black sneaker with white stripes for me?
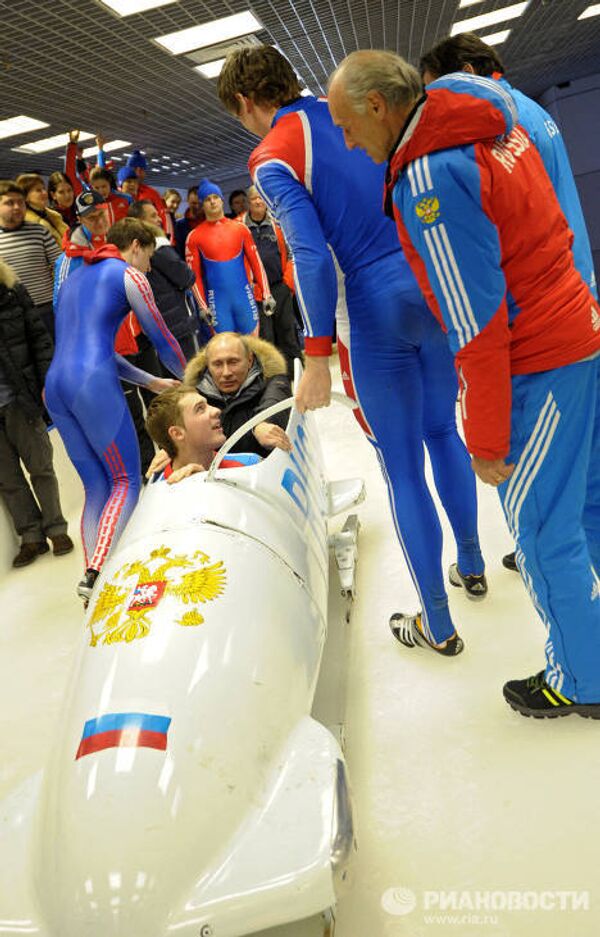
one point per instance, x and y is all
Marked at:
(475, 586)
(407, 630)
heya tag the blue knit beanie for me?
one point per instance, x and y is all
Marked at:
(126, 172)
(137, 160)
(207, 188)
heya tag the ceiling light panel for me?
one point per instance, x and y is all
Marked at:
(128, 7)
(496, 39)
(211, 69)
(108, 147)
(489, 19)
(12, 126)
(49, 143)
(594, 10)
(208, 34)
(468, 3)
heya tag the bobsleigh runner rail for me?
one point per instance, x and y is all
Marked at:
(191, 791)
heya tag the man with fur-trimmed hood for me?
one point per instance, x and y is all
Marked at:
(242, 375)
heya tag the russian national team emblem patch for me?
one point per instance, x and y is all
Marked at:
(428, 209)
(124, 730)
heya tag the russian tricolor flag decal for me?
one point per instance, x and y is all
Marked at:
(115, 730)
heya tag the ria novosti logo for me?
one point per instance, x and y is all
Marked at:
(400, 900)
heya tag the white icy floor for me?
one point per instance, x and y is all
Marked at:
(453, 792)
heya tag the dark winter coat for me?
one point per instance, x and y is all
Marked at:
(169, 278)
(25, 346)
(267, 383)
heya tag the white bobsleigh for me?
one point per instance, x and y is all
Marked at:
(190, 791)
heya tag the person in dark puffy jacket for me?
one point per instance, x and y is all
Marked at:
(243, 375)
(171, 280)
(25, 355)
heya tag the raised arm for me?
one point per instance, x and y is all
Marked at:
(141, 299)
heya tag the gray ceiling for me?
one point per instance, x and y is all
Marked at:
(74, 63)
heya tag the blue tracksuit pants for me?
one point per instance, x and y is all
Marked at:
(552, 505)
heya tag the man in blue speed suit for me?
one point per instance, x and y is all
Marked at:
(83, 393)
(395, 361)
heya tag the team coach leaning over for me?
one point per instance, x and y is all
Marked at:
(484, 234)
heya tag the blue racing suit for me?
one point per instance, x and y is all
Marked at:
(394, 357)
(84, 396)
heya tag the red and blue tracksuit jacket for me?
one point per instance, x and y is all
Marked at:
(483, 231)
(547, 137)
(216, 252)
(84, 396)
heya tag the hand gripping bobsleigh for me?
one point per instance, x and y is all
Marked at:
(190, 792)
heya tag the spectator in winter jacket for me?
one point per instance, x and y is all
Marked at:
(242, 375)
(36, 198)
(194, 214)
(25, 356)
(171, 280)
(137, 162)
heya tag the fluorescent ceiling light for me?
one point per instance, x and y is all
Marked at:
(49, 143)
(127, 7)
(489, 19)
(594, 10)
(210, 69)
(495, 39)
(11, 126)
(209, 34)
(108, 147)
(468, 3)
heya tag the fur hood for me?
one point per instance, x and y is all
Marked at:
(269, 358)
(8, 277)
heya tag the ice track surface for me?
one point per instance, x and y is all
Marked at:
(464, 810)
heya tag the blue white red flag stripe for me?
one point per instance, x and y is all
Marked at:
(116, 730)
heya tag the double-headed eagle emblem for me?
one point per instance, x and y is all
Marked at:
(122, 608)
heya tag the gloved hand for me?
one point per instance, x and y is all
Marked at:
(269, 305)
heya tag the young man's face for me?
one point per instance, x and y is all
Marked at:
(201, 423)
(96, 222)
(252, 117)
(12, 210)
(102, 186)
(228, 364)
(138, 256)
(213, 207)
